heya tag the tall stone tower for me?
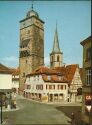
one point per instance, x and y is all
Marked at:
(56, 56)
(31, 52)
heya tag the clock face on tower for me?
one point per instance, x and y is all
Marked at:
(31, 21)
(26, 23)
(37, 23)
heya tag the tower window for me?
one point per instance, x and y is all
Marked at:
(52, 58)
(28, 31)
(23, 74)
(58, 59)
(49, 77)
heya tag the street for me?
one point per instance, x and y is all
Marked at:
(32, 112)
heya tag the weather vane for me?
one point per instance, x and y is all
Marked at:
(32, 5)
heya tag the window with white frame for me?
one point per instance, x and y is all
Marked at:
(59, 77)
(49, 77)
(38, 77)
(89, 76)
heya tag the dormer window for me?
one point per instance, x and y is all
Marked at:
(38, 77)
(52, 58)
(34, 78)
(23, 74)
(59, 77)
(49, 77)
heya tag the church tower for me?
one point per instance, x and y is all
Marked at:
(56, 56)
(31, 51)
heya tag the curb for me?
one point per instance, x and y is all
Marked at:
(60, 104)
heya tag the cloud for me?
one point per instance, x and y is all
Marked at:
(47, 61)
(11, 61)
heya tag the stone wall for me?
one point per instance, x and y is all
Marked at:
(33, 55)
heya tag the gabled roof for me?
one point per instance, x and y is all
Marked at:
(5, 70)
(43, 70)
(57, 74)
(70, 71)
(67, 71)
(89, 39)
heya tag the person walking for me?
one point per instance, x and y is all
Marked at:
(73, 119)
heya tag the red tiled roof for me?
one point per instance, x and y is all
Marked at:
(54, 78)
(5, 70)
(66, 73)
(43, 70)
(61, 70)
(70, 71)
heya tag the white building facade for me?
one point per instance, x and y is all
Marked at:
(5, 81)
(5, 78)
(46, 87)
(15, 80)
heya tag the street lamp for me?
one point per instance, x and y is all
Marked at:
(89, 109)
(1, 93)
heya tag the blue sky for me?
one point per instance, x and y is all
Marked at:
(73, 23)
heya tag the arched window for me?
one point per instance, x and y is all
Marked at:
(52, 58)
(58, 58)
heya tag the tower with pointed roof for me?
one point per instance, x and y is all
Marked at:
(31, 51)
(56, 56)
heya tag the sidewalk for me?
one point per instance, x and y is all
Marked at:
(7, 110)
(65, 103)
(52, 103)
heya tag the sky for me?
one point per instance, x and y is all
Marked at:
(73, 23)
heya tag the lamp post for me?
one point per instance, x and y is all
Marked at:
(89, 109)
(1, 106)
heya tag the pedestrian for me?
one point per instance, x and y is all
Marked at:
(73, 119)
(15, 104)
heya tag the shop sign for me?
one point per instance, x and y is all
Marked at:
(88, 97)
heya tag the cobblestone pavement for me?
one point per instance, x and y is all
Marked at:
(31, 112)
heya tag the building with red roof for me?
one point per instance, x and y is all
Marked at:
(54, 84)
(5, 78)
(46, 84)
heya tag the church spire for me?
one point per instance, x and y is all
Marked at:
(56, 56)
(56, 48)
